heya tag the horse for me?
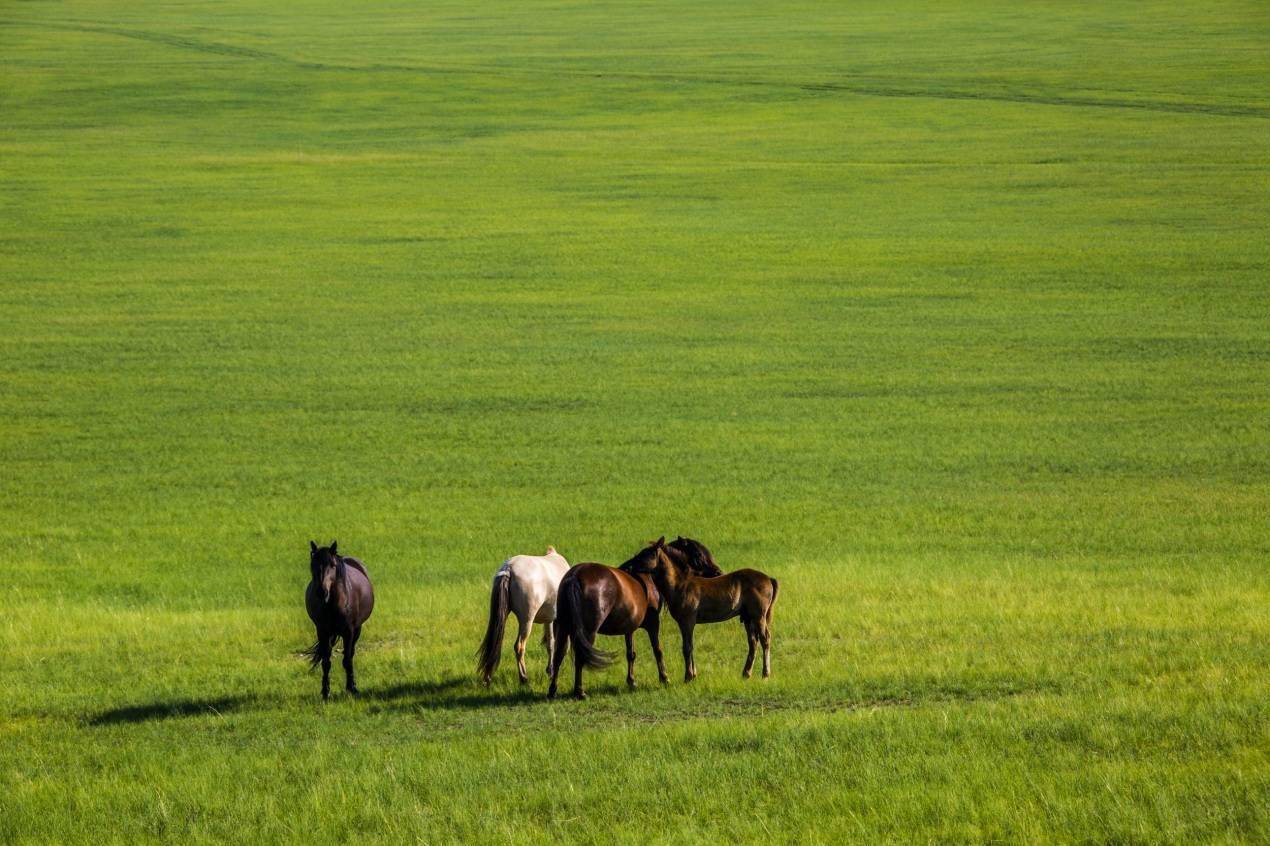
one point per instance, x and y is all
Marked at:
(694, 555)
(694, 599)
(596, 599)
(339, 600)
(526, 586)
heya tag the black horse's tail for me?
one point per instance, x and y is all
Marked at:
(776, 588)
(491, 650)
(314, 652)
(569, 612)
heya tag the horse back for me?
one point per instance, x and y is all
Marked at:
(755, 580)
(357, 564)
(619, 600)
(537, 569)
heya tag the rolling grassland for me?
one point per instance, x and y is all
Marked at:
(954, 318)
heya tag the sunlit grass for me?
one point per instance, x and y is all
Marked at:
(953, 320)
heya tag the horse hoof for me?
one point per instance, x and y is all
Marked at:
(353, 690)
(551, 694)
(630, 683)
(665, 680)
(579, 694)
(745, 674)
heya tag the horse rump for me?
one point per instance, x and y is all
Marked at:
(569, 613)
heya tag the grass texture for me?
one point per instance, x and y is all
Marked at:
(952, 317)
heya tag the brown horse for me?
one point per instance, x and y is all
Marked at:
(694, 599)
(595, 599)
(339, 599)
(693, 555)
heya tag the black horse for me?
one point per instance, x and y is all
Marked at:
(339, 599)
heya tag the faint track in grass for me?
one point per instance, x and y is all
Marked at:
(862, 89)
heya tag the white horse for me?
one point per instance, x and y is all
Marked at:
(526, 586)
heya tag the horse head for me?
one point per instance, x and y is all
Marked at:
(648, 560)
(326, 568)
(695, 556)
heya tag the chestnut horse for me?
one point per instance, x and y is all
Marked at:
(694, 599)
(595, 599)
(339, 599)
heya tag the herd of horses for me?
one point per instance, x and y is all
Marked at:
(573, 604)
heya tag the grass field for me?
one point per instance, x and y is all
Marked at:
(955, 320)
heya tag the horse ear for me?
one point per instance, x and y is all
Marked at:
(661, 541)
(333, 552)
(312, 548)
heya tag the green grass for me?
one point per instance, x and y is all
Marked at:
(955, 320)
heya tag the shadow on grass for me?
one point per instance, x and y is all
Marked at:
(171, 710)
(464, 693)
(431, 695)
(439, 695)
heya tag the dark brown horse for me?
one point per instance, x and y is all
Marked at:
(595, 599)
(694, 599)
(339, 599)
(693, 555)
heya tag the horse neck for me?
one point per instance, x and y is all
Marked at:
(649, 584)
(340, 590)
(687, 561)
(669, 578)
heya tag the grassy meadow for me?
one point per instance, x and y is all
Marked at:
(955, 318)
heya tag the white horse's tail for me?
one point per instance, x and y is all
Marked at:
(492, 646)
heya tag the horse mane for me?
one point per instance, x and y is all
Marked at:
(696, 556)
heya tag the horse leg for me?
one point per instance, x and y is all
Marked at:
(752, 637)
(578, 692)
(690, 665)
(549, 641)
(763, 629)
(558, 650)
(591, 633)
(350, 646)
(630, 660)
(526, 623)
(654, 638)
(324, 651)
(557, 658)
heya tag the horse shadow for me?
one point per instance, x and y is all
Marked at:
(440, 695)
(172, 709)
(431, 695)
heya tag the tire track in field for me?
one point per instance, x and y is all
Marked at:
(862, 89)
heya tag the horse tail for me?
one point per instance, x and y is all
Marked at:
(569, 613)
(491, 650)
(776, 588)
(314, 652)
